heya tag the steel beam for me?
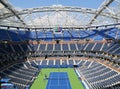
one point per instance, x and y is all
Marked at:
(61, 8)
(12, 10)
(105, 4)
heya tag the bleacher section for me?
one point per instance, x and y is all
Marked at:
(96, 49)
(22, 35)
(21, 75)
(108, 47)
(98, 76)
(46, 63)
(94, 46)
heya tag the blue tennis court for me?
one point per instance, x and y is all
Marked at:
(58, 80)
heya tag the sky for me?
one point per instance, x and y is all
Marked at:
(38, 3)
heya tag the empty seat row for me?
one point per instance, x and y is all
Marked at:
(20, 75)
(99, 76)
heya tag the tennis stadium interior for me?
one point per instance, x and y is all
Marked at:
(85, 39)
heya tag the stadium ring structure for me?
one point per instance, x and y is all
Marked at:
(89, 42)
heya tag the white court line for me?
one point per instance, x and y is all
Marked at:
(49, 82)
(67, 83)
(58, 79)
